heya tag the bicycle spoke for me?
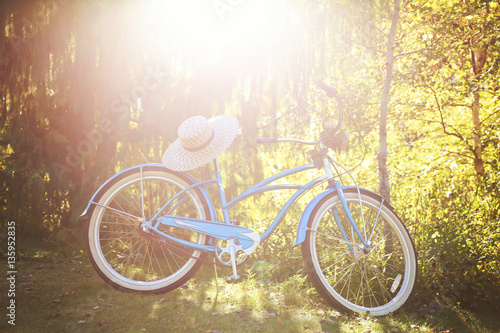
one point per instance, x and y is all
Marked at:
(346, 268)
(335, 238)
(122, 212)
(371, 293)
(127, 201)
(348, 282)
(166, 259)
(382, 288)
(334, 264)
(133, 197)
(376, 220)
(356, 299)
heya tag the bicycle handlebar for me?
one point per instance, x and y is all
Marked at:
(267, 140)
(327, 125)
(332, 92)
(275, 140)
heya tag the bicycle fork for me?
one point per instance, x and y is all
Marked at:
(347, 211)
(365, 239)
(336, 185)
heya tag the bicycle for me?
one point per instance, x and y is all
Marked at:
(150, 228)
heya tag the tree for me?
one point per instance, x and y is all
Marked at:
(384, 103)
(459, 69)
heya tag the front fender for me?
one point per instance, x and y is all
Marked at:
(304, 219)
(108, 183)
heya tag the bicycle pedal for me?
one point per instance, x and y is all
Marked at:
(233, 279)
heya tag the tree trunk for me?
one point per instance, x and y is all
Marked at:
(476, 135)
(478, 59)
(385, 190)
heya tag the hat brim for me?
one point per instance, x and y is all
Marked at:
(177, 158)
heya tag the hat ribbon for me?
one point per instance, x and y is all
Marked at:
(204, 145)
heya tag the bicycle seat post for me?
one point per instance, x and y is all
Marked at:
(235, 277)
(222, 194)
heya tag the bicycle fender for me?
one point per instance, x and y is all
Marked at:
(304, 219)
(107, 184)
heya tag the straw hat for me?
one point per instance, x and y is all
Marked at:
(200, 141)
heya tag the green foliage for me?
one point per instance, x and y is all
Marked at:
(456, 232)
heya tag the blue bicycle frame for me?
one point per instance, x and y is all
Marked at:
(226, 230)
(221, 228)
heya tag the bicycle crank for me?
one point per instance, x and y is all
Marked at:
(231, 255)
(223, 252)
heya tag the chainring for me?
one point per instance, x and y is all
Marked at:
(223, 253)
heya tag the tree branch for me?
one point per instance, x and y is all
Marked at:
(489, 116)
(443, 125)
(415, 9)
(366, 46)
(418, 51)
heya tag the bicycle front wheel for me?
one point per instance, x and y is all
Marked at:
(378, 279)
(126, 256)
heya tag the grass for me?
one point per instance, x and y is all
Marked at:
(56, 293)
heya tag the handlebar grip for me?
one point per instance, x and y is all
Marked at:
(330, 91)
(267, 140)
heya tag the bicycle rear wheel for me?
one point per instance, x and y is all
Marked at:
(123, 254)
(378, 280)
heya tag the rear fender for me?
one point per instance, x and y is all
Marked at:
(108, 183)
(306, 215)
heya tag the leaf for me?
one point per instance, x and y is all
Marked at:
(103, 322)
